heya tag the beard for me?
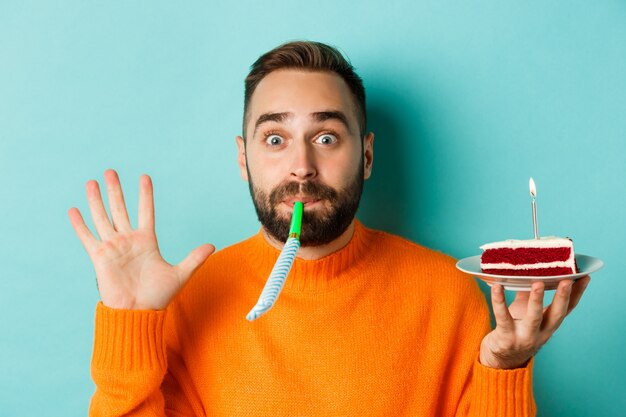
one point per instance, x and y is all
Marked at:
(320, 226)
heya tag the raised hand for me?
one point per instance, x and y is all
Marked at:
(130, 271)
(525, 326)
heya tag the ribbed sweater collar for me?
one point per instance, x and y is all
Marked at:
(315, 275)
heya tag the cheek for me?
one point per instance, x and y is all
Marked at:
(265, 174)
(343, 170)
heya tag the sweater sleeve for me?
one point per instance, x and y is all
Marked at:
(502, 392)
(493, 392)
(129, 363)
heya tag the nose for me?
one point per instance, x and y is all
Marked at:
(303, 165)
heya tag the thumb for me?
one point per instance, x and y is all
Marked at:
(195, 258)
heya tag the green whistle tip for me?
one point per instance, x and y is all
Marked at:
(296, 219)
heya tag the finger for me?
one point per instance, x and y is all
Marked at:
(98, 214)
(85, 236)
(519, 306)
(501, 313)
(522, 296)
(146, 204)
(577, 292)
(534, 310)
(193, 261)
(119, 214)
(557, 310)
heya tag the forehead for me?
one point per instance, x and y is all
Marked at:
(301, 93)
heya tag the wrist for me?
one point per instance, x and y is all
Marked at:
(132, 303)
(503, 360)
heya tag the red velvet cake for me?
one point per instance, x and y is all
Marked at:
(545, 256)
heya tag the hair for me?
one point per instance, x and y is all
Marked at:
(309, 56)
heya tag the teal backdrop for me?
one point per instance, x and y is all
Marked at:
(467, 100)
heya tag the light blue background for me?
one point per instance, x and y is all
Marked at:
(467, 100)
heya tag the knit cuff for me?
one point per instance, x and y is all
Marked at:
(503, 392)
(128, 340)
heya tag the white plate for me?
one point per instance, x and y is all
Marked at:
(586, 265)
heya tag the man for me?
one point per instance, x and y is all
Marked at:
(368, 324)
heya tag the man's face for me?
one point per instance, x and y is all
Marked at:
(303, 144)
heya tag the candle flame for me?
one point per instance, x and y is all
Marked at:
(533, 189)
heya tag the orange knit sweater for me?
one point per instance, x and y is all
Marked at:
(382, 327)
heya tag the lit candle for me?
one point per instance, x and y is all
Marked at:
(533, 194)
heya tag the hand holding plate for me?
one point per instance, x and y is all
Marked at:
(525, 326)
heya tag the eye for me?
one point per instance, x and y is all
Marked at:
(326, 139)
(274, 140)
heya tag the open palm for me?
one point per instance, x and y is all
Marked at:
(130, 270)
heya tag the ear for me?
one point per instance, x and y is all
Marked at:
(241, 157)
(368, 155)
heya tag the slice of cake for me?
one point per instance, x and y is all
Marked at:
(545, 256)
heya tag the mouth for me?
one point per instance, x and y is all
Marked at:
(308, 202)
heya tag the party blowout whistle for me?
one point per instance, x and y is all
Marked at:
(276, 280)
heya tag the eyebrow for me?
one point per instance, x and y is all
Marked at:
(319, 116)
(271, 117)
(322, 116)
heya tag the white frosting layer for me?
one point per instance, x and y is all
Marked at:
(566, 264)
(542, 242)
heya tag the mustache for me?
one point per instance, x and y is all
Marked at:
(311, 189)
